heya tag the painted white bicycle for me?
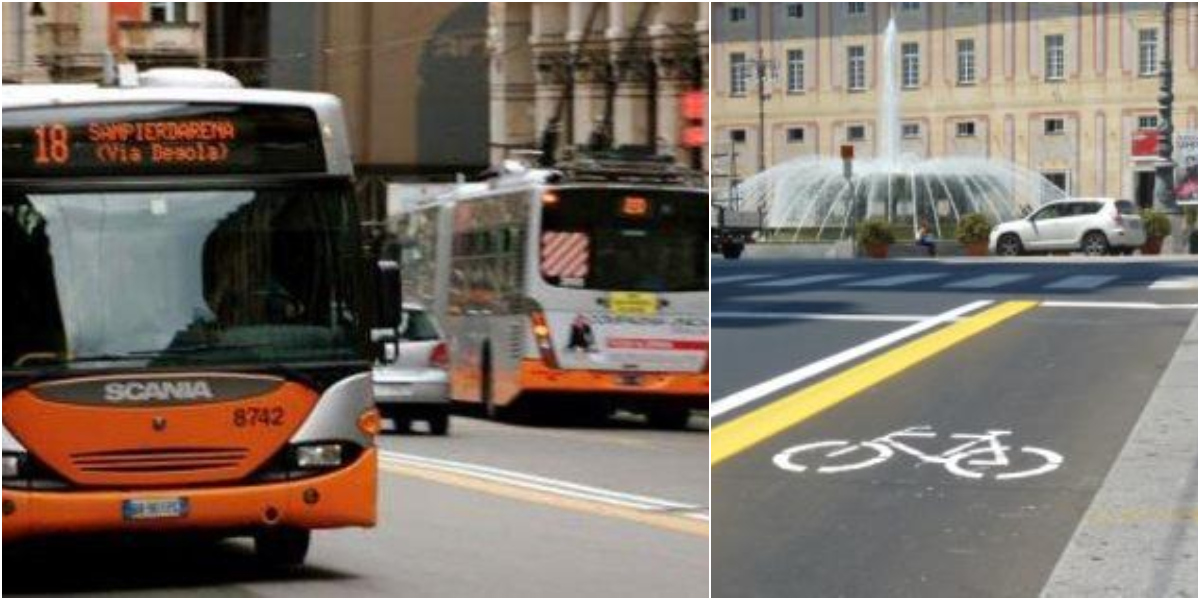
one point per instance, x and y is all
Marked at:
(980, 456)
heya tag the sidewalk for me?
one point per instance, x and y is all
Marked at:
(1138, 538)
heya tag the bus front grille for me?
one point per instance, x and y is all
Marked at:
(158, 460)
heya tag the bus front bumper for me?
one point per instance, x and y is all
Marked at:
(342, 498)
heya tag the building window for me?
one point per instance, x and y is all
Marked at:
(737, 136)
(795, 135)
(795, 70)
(737, 13)
(910, 130)
(1148, 122)
(910, 65)
(856, 68)
(910, 6)
(168, 12)
(1148, 52)
(1059, 179)
(1054, 126)
(965, 129)
(1056, 62)
(739, 74)
(966, 62)
(856, 8)
(856, 133)
(795, 10)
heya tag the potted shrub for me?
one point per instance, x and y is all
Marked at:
(1157, 226)
(874, 236)
(973, 231)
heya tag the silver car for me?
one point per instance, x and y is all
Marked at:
(413, 385)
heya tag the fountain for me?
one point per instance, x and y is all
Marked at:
(812, 198)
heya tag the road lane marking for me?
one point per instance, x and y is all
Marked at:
(689, 518)
(736, 278)
(1174, 283)
(808, 316)
(763, 423)
(799, 281)
(1116, 305)
(984, 282)
(895, 280)
(811, 370)
(1080, 282)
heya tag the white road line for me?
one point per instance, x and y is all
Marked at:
(987, 281)
(546, 484)
(1080, 282)
(807, 316)
(1116, 305)
(1174, 283)
(735, 278)
(811, 370)
(895, 280)
(798, 281)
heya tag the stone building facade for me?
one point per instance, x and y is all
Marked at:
(68, 41)
(588, 68)
(1065, 89)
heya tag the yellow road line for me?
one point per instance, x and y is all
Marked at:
(659, 520)
(752, 428)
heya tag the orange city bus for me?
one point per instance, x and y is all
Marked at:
(583, 286)
(186, 336)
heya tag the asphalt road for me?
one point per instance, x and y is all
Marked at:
(1067, 378)
(474, 523)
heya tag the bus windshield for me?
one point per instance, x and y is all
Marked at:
(625, 239)
(182, 277)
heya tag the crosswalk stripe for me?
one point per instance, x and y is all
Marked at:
(1174, 283)
(984, 282)
(734, 278)
(1080, 282)
(895, 280)
(798, 281)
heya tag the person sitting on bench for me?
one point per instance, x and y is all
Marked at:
(925, 238)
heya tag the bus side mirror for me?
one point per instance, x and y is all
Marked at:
(388, 302)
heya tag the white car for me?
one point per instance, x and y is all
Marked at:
(1094, 226)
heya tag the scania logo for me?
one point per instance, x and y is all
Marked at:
(145, 391)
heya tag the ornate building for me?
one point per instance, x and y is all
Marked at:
(595, 70)
(1066, 89)
(69, 41)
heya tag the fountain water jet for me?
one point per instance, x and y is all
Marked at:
(811, 197)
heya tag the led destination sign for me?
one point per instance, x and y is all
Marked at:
(160, 139)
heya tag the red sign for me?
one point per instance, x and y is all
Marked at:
(1145, 143)
(694, 136)
(695, 105)
(847, 152)
(665, 345)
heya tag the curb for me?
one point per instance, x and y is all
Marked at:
(1138, 537)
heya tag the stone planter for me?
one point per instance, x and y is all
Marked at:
(976, 248)
(1152, 246)
(876, 250)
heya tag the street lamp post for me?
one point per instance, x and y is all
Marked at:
(1164, 179)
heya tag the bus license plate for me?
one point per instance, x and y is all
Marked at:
(159, 508)
(629, 379)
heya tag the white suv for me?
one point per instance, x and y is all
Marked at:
(1094, 226)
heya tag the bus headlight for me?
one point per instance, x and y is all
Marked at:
(317, 456)
(13, 462)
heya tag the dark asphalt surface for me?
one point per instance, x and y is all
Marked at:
(440, 539)
(1070, 380)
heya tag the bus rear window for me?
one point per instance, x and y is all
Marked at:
(627, 239)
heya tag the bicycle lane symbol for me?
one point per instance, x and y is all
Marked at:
(980, 455)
